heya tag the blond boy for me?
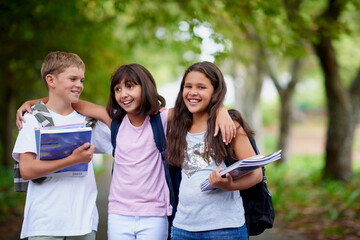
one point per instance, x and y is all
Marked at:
(60, 207)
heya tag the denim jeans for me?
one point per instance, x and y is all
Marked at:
(223, 234)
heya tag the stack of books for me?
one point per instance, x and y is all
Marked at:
(59, 142)
(243, 167)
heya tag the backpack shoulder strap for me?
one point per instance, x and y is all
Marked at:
(115, 125)
(158, 131)
(90, 122)
(253, 144)
(172, 173)
(228, 160)
(42, 114)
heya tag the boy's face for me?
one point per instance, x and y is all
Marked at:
(68, 85)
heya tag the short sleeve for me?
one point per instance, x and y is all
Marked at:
(101, 138)
(25, 141)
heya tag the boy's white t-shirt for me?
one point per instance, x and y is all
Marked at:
(61, 206)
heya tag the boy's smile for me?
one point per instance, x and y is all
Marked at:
(69, 84)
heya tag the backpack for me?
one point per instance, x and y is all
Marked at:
(259, 210)
(172, 173)
(43, 116)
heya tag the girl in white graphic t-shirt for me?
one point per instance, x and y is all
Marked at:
(218, 214)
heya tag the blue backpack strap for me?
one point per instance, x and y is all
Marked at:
(115, 125)
(159, 136)
(172, 174)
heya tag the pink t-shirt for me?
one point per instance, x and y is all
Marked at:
(138, 186)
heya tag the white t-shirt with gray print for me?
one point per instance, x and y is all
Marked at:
(204, 211)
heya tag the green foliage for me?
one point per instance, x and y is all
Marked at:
(301, 197)
(10, 201)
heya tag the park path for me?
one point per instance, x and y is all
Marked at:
(103, 184)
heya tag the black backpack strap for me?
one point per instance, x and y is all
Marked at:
(257, 202)
(253, 144)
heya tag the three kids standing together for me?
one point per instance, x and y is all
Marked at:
(139, 196)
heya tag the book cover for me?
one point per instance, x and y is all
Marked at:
(59, 142)
(243, 167)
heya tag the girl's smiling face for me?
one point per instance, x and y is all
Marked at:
(197, 92)
(128, 96)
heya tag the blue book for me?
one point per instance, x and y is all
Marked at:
(57, 142)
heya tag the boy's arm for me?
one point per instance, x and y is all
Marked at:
(224, 123)
(32, 168)
(93, 110)
(26, 107)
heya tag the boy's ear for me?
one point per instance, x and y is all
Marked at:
(50, 80)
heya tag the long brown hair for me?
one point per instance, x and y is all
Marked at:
(182, 120)
(151, 101)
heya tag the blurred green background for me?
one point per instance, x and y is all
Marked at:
(292, 68)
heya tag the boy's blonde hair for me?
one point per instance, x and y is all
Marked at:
(56, 63)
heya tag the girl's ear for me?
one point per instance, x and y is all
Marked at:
(50, 80)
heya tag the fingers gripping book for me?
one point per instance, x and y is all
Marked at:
(243, 167)
(58, 142)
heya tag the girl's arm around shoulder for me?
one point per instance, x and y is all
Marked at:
(26, 107)
(225, 124)
(93, 110)
(243, 149)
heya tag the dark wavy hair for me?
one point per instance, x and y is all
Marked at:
(182, 120)
(151, 101)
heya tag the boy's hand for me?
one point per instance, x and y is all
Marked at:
(84, 153)
(225, 124)
(26, 107)
(224, 183)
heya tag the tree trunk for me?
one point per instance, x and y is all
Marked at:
(340, 131)
(248, 85)
(285, 126)
(286, 117)
(8, 122)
